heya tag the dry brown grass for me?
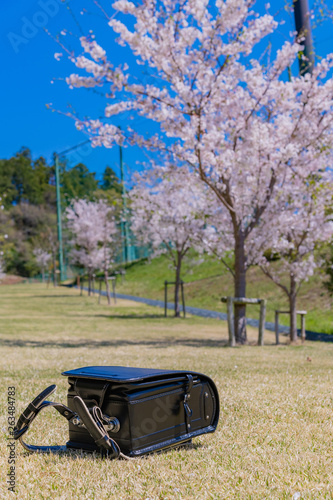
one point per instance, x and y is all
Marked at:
(275, 433)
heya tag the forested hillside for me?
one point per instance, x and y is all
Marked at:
(28, 193)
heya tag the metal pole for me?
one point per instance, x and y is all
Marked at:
(124, 223)
(59, 223)
(303, 28)
(62, 264)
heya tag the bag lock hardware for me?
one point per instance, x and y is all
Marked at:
(111, 424)
(187, 397)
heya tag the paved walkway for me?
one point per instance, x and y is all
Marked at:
(206, 313)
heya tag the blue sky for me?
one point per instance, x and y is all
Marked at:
(31, 78)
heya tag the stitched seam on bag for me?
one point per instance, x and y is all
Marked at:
(108, 401)
(136, 401)
(182, 424)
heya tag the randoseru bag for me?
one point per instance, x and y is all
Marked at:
(123, 411)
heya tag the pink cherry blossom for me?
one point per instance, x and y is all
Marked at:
(246, 132)
(42, 259)
(93, 236)
(167, 215)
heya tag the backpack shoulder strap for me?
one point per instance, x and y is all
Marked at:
(31, 412)
(92, 420)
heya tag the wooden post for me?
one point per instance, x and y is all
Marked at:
(114, 290)
(262, 321)
(277, 328)
(231, 301)
(302, 327)
(183, 298)
(165, 297)
(107, 287)
(231, 329)
(302, 314)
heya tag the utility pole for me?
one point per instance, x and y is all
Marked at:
(59, 222)
(126, 247)
(303, 28)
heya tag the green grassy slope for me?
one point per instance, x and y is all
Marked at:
(146, 279)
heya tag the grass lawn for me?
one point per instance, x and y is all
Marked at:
(274, 439)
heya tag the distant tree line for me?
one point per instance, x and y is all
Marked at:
(28, 193)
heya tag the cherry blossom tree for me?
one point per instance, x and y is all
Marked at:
(42, 258)
(93, 234)
(167, 215)
(297, 231)
(245, 132)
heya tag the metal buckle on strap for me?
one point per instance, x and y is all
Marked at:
(93, 421)
(187, 396)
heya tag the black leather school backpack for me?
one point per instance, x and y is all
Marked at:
(128, 412)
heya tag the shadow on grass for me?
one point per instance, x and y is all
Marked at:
(123, 316)
(98, 344)
(42, 296)
(78, 454)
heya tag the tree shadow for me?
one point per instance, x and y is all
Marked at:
(100, 344)
(125, 316)
(48, 296)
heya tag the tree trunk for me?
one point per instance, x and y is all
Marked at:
(43, 275)
(292, 306)
(177, 284)
(107, 287)
(89, 285)
(240, 289)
